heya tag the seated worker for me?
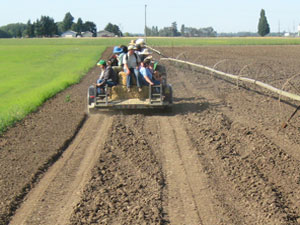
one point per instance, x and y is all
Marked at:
(145, 53)
(146, 74)
(140, 44)
(114, 59)
(132, 62)
(120, 58)
(159, 72)
(109, 77)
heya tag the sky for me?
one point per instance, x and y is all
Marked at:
(129, 15)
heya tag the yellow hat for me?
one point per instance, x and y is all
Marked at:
(132, 42)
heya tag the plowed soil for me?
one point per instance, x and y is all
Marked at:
(221, 156)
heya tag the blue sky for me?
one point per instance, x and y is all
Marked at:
(223, 16)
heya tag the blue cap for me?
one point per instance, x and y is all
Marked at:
(117, 50)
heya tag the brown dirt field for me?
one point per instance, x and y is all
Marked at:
(221, 156)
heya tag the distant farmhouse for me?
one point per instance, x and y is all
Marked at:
(69, 34)
(86, 34)
(104, 33)
(73, 34)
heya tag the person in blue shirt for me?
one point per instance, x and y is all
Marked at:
(146, 74)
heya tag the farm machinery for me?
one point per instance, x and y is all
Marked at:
(117, 97)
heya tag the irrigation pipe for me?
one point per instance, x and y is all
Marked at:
(249, 80)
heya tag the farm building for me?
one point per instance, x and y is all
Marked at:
(299, 30)
(69, 34)
(87, 34)
(104, 33)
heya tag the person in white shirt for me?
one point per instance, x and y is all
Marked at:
(132, 62)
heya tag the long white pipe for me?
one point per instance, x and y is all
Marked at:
(249, 80)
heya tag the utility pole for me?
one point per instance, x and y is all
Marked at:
(294, 28)
(145, 35)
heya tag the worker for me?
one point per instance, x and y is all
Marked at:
(140, 44)
(146, 74)
(117, 59)
(121, 56)
(145, 53)
(113, 60)
(109, 77)
(132, 62)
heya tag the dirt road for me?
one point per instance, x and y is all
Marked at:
(221, 156)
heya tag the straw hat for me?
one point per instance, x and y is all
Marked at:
(146, 52)
(131, 47)
(131, 42)
(140, 41)
(148, 60)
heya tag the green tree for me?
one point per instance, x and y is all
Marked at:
(67, 22)
(74, 27)
(114, 29)
(78, 27)
(90, 26)
(148, 32)
(182, 30)
(19, 33)
(166, 32)
(4, 34)
(48, 27)
(174, 29)
(38, 28)
(14, 29)
(154, 31)
(30, 29)
(263, 26)
(59, 26)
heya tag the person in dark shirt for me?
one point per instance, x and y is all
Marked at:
(109, 77)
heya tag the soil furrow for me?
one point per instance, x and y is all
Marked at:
(221, 157)
(126, 187)
(53, 199)
(259, 186)
(189, 198)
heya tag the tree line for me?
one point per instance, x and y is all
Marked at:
(172, 31)
(263, 29)
(47, 27)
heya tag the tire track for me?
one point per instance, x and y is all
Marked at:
(127, 182)
(53, 199)
(190, 200)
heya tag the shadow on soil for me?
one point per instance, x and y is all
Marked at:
(181, 106)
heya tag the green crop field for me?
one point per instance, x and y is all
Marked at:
(33, 70)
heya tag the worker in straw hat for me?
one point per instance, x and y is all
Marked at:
(144, 54)
(132, 62)
(132, 42)
(140, 44)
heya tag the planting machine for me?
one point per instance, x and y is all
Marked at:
(117, 97)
